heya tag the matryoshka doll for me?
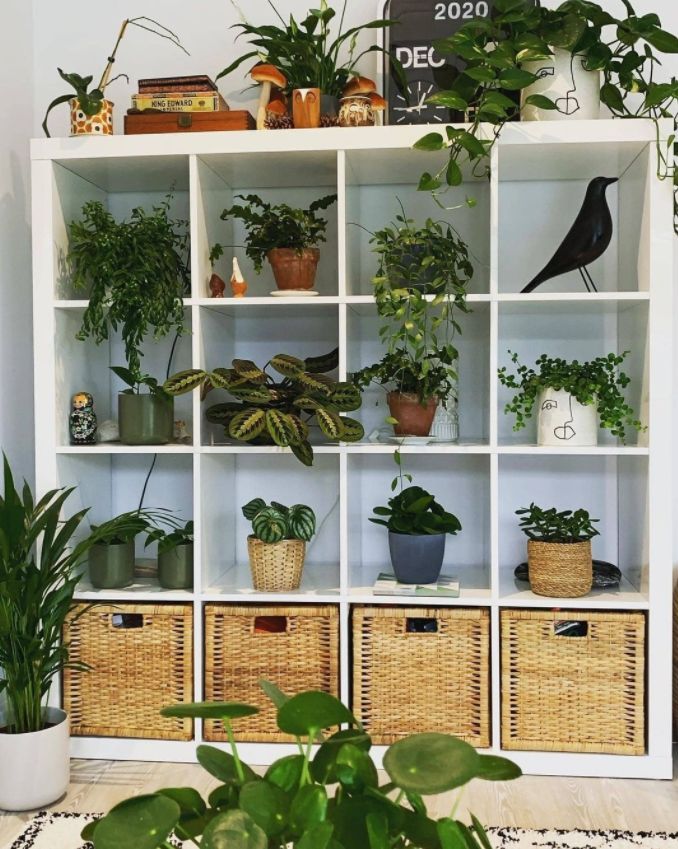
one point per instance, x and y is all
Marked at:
(83, 420)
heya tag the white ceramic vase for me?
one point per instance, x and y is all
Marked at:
(564, 80)
(34, 767)
(563, 421)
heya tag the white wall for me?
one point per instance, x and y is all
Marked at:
(16, 358)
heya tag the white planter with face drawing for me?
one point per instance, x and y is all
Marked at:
(567, 83)
(563, 421)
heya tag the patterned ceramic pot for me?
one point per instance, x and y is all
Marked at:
(100, 124)
(356, 111)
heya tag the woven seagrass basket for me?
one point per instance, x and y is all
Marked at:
(422, 669)
(583, 693)
(140, 658)
(297, 648)
(277, 566)
(560, 570)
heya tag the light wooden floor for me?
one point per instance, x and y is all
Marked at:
(530, 802)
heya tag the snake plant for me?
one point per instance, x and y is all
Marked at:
(278, 522)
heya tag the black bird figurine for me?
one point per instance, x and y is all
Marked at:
(588, 239)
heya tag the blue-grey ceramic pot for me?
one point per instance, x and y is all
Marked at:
(417, 559)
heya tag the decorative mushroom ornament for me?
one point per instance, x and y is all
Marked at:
(267, 76)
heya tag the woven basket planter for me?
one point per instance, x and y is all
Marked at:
(297, 648)
(140, 658)
(276, 566)
(406, 682)
(573, 693)
(560, 570)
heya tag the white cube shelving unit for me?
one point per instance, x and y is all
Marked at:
(539, 173)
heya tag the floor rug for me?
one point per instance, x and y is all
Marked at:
(62, 831)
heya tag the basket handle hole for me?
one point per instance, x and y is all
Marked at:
(127, 620)
(270, 624)
(417, 625)
(570, 629)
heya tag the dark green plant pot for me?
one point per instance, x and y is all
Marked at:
(145, 419)
(175, 568)
(111, 566)
(416, 559)
(411, 258)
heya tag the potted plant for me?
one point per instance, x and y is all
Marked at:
(91, 112)
(559, 559)
(521, 37)
(136, 275)
(328, 797)
(278, 410)
(111, 556)
(175, 556)
(40, 560)
(571, 398)
(277, 544)
(417, 528)
(286, 236)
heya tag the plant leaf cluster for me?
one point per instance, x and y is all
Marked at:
(276, 522)
(551, 525)
(135, 272)
(598, 382)
(330, 799)
(169, 539)
(307, 52)
(279, 409)
(276, 226)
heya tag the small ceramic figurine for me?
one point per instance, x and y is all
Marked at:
(181, 433)
(83, 420)
(217, 286)
(238, 285)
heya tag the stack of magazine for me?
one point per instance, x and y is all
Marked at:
(445, 586)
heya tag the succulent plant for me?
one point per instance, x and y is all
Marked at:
(277, 522)
(278, 411)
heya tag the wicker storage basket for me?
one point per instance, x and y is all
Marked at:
(141, 659)
(276, 567)
(406, 682)
(297, 648)
(573, 693)
(560, 570)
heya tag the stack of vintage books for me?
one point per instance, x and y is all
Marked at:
(182, 104)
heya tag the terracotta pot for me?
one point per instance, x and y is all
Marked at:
(306, 108)
(294, 269)
(99, 124)
(414, 419)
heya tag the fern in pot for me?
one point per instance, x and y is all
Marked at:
(559, 555)
(277, 544)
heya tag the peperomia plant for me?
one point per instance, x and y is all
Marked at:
(330, 798)
(171, 538)
(598, 382)
(277, 522)
(551, 525)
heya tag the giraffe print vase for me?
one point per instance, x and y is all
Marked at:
(100, 124)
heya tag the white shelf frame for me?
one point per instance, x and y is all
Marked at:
(524, 151)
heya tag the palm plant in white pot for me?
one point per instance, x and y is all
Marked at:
(40, 556)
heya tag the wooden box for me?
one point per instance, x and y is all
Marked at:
(187, 122)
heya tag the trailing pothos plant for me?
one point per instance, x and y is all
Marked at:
(278, 409)
(496, 49)
(558, 526)
(599, 382)
(330, 798)
(276, 522)
(90, 100)
(135, 273)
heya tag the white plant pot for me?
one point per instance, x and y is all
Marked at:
(563, 79)
(35, 767)
(563, 421)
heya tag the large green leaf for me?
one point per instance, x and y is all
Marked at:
(431, 141)
(250, 371)
(346, 397)
(301, 522)
(209, 710)
(494, 768)
(247, 425)
(267, 804)
(144, 822)
(286, 773)
(351, 430)
(323, 364)
(308, 713)
(223, 414)
(316, 383)
(330, 423)
(188, 799)
(184, 381)
(279, 428)
(309, 807)
(431, 763)
(287, 365)
(252, 507)
(322, 765)
(355, 769)
(269, 525)
(317, 837)
(222, 765)
(233, 830)
(303, 452)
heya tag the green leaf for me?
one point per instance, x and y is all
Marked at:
(144, 822)
(287, 365)
(494, 768)
(428, 183)
(87, 834)
(188, 799)
(323, 364)
(233, 830)
(346, 397)
(377, 831)
(451, 835)
(184, 381)
(307, 713)
(252, 507)
(309, 807)
(269, 525)
(449, 99)
(209, 710)
(222, 765)
(661, 40)
(330, 423)
(286, 773)
(355, 768)
(266, 804)
(431, 763)
(274, 693)
(317, 837)
(303, 452)
(248, 425)
(250, 371)
(453, 174)
(540, 101)
(431, 141)
(612, 97)
(351, 430)
(322, 765)
(513, 79)
(279, 428)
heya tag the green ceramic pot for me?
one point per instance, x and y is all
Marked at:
(175, 568)
(111, 566)
(145, 419)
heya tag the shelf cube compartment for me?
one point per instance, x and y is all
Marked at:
(573, 681)
(229, 481)
(425, 669)
(140, 659)
(296, 648)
